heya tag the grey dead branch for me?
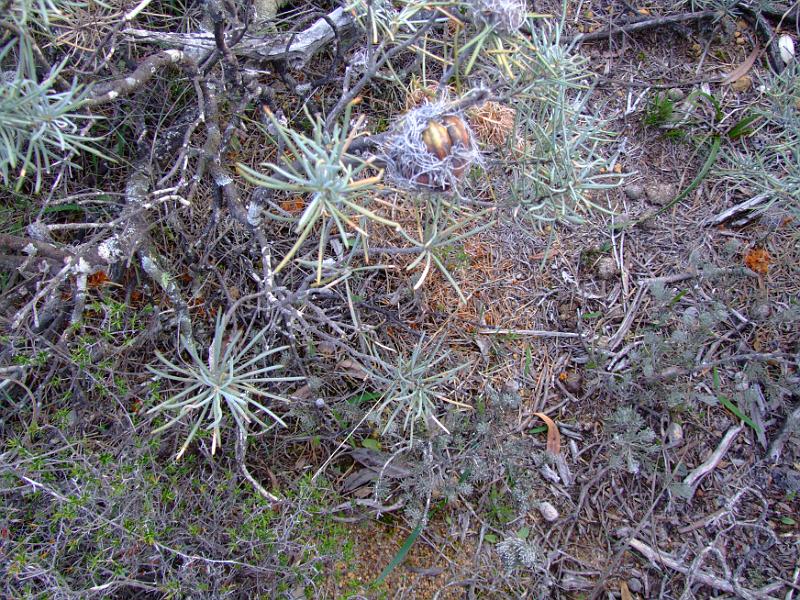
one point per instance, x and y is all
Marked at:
(296, 49)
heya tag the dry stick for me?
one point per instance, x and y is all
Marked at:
(373, 69)
(640, 25)
(257, 47)
(531, 332)
(657, 557)
(693, 478)
(241, 458)
(789, 427)
(741, 210)
(110, 91)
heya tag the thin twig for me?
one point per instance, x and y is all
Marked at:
(657, 557)
(694, 477)
(641, 25)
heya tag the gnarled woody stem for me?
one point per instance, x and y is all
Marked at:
(259, 47)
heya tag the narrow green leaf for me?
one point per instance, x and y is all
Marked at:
(738, 413)
(401, 554)
(742, 128)
(371, 444)
(716, 142)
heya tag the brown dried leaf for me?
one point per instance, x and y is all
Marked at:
(743, 68)
(624, 591)
(97, 279)
(354, 369)
(553, 436)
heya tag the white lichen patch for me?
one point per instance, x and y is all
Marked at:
(109, 250)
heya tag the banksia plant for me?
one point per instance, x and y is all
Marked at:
(415, 387)
(235, 379)
(335, 182)
(429, 148)
(39, 123)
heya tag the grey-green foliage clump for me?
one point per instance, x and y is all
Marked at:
(632, 442)
(414, 388)
(235, 380)
(41, 121)
(515, 553)
(768, 160)
(561, 145)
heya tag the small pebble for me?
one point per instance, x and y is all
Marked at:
(606, 268)
(634, 585)
(660, 193)
(648, 221)
(548, 511)
(740, 41)
(634, 191)
(760, 311)
(742, 84)
(675, 434)
(573, 382)
(675, 94)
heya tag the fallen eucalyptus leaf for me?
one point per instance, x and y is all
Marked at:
(553, 436)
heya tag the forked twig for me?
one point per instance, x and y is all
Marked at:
(657, 557)
(693, 478)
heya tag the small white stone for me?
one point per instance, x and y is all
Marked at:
(548, 511)
(786, 46)
(675, 434)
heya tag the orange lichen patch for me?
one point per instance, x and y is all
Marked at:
(97, 279)
(492, 122)
(293, 205)
(758, 260)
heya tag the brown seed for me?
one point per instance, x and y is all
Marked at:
(456, 130)
(437, 140)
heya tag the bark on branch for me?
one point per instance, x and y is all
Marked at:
(108, 92)
(261, 47)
